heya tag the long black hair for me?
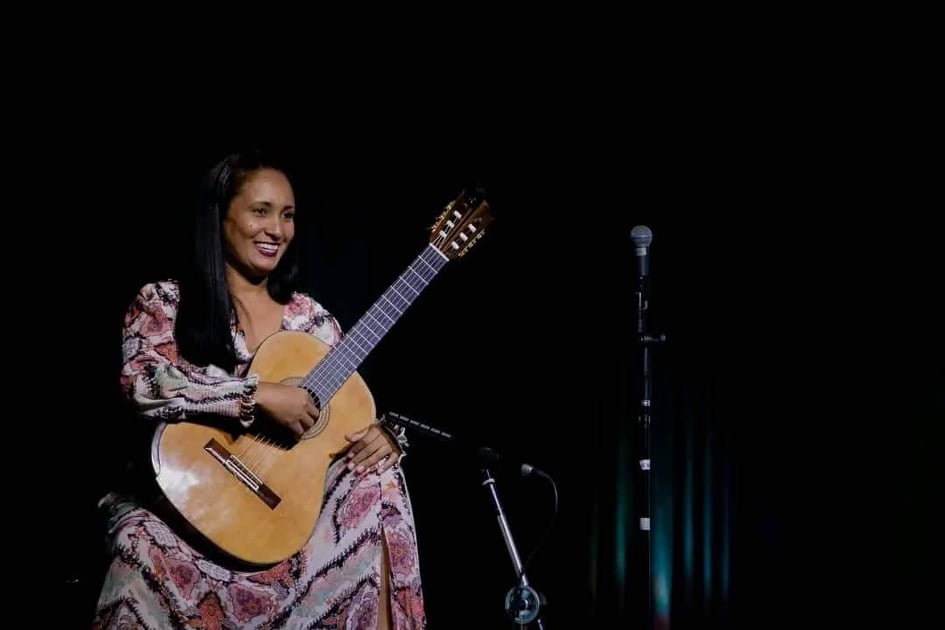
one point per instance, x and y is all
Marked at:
(203, 318)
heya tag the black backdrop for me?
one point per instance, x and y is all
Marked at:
(767, 483)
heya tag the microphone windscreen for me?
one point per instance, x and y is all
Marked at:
(641, 235)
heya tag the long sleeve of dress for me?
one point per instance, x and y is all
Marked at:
(160, 383)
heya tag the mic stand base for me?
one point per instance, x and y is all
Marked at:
(522, 605)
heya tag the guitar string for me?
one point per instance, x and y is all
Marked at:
(263, 460)
(244, 453)
(391, 308)
(259, 454)
(252, 457)
(331, 370)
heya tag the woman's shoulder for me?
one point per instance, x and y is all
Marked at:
(153, 302)
(168, 288)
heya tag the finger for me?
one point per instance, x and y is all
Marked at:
(357, 435)
(298, 429)
(363, 448)
(307, 421)
(312, 410)
(369, 455)
(387, 462)
(375, 438)
(376, 456)
(359, 445)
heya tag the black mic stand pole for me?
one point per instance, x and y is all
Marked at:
(642, 236)
(522, 603)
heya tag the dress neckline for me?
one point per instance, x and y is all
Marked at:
(239, 337)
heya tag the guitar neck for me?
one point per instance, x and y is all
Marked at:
(344, 359)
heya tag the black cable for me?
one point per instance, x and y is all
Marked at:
(551, 523)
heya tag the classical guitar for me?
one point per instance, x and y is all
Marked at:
(257, 498)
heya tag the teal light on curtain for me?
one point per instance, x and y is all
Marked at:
(690, 545)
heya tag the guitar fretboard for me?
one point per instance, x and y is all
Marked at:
(343, 360)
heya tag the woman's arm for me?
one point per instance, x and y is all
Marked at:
(159, 382)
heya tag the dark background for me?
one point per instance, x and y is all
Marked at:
(797, 400)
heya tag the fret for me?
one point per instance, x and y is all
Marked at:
(345, 358)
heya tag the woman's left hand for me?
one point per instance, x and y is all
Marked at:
(372, 445)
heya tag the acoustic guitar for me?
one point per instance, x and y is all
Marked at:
(256, 497)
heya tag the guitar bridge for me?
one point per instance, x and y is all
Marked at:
(243, 473)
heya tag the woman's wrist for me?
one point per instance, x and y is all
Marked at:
(248, 401)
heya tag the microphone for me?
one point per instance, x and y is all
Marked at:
(528, 469)
(487, 456)
(642, 236)
(490, 458)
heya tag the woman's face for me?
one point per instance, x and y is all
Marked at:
(259, 224)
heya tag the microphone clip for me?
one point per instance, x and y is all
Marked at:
(651, 340)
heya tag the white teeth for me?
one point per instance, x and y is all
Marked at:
(267, 247)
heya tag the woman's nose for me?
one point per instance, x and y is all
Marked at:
(274, 228)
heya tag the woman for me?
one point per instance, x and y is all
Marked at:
(187, 347)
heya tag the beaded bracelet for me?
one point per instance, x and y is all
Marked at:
(248, 402)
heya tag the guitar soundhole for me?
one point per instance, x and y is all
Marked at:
(323, 417)
(319, 425)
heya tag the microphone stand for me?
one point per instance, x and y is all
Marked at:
(645, 340)
(522, 603)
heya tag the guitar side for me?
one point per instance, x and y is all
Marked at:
(256, 500)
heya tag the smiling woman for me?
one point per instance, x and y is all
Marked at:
(209, 544)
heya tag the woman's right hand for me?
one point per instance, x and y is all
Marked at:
(288, 406)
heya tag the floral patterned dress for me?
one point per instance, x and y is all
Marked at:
(157, 579)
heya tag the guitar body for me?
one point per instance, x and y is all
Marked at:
(255, 498)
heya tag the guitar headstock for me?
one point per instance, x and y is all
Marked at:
(461, 224)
